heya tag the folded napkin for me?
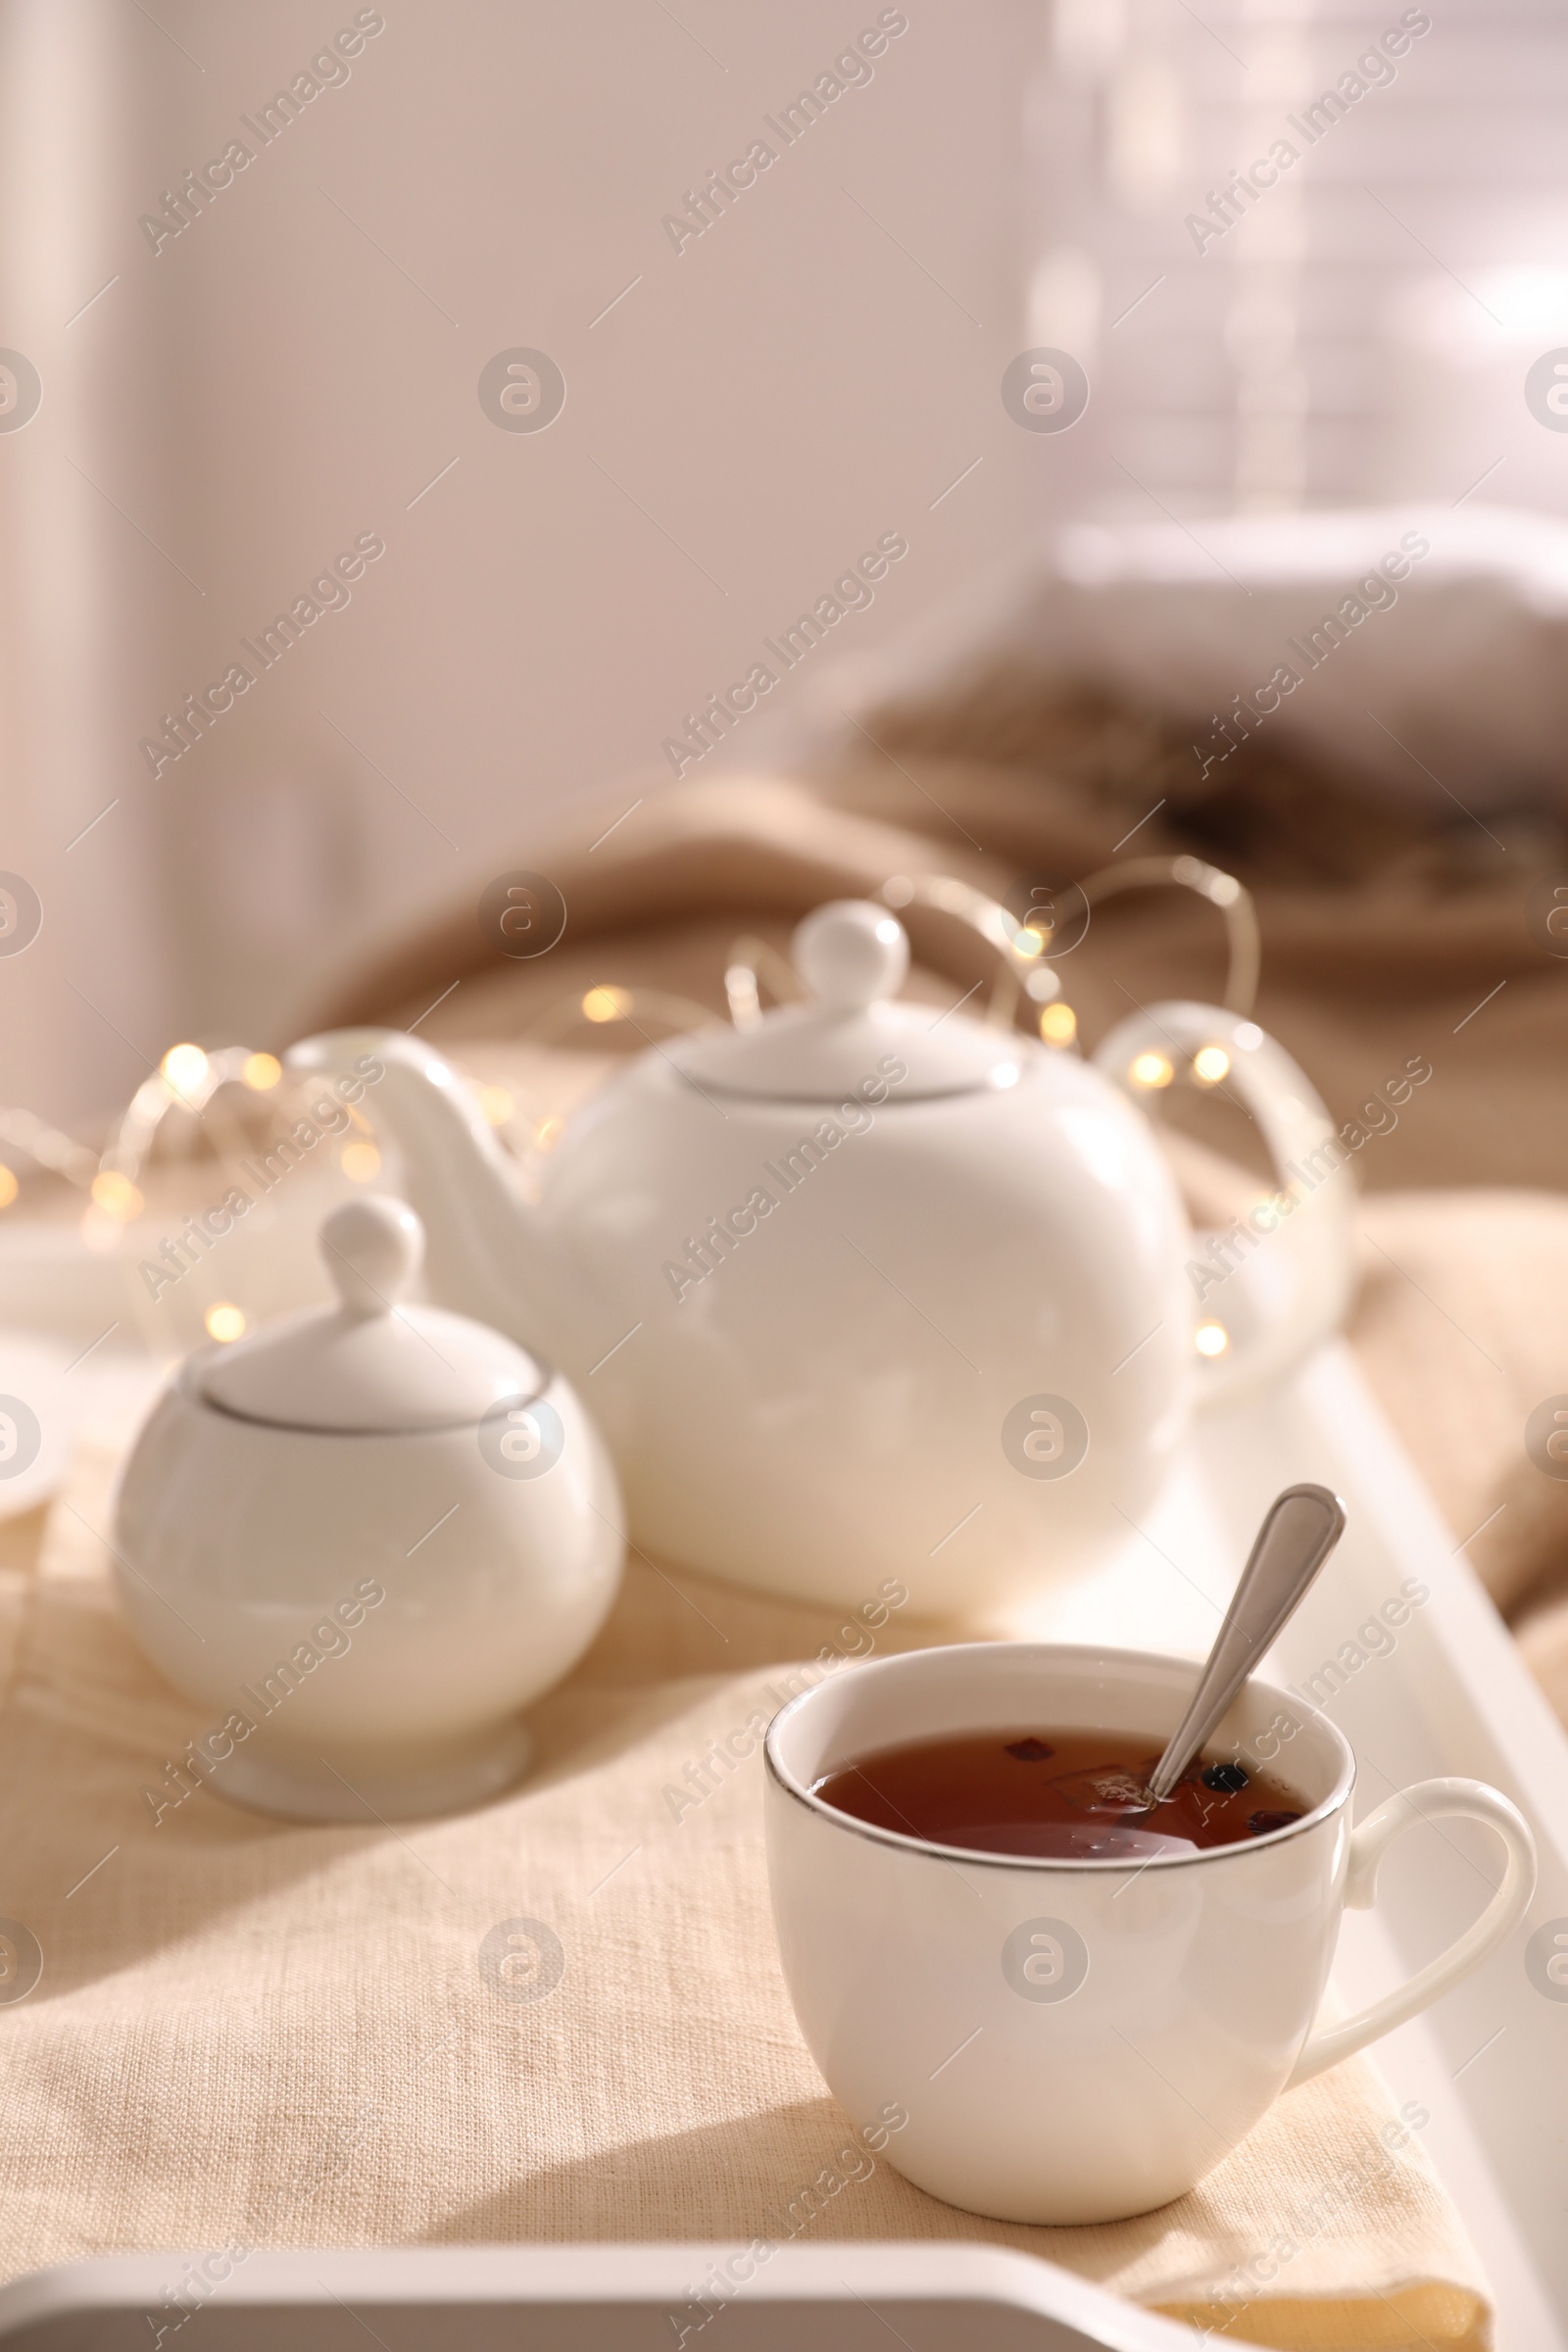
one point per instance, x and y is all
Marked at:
(557, 2018)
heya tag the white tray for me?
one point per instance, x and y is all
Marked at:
(1491, 2062)
(855, 2298)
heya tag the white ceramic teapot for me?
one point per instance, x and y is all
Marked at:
(363, 1538)
(860, 1290)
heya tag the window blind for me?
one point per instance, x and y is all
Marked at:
(1306, 252)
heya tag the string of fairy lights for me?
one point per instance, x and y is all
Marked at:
(207, 1083)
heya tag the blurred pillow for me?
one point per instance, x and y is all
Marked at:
(1424, 648)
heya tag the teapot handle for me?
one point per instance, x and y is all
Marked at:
(1277, 1283)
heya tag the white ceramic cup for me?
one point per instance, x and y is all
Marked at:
(1077, 2041)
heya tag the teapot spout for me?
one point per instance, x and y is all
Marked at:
(480, 1245)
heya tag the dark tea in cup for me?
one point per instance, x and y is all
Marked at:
(1058, 1796)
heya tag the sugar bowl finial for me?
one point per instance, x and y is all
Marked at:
(374, 1249)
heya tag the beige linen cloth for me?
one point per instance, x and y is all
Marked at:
(250, 2033)
(284, 2036)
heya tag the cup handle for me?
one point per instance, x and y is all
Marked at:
(1427, 1800)
(1307, 1226)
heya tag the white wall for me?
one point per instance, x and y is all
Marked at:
(295, 366)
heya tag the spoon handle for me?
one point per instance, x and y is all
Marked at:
(1300, 1528)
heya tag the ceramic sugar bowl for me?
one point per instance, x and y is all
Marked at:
(365, 1538)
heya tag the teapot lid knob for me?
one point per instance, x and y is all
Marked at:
(851, 954)
(374, 1249)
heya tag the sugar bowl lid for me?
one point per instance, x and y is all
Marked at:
(369, 1365)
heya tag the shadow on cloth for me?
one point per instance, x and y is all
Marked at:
(107, 1864)
(800, 2175)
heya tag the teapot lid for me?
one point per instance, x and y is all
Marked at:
(851, 956)
(370, 1366)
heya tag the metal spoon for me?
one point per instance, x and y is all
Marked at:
(1299, 1529)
